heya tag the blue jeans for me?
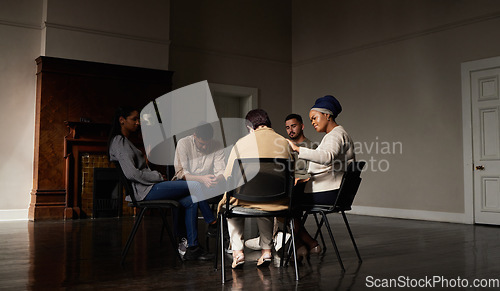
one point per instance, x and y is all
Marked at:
(179, 190)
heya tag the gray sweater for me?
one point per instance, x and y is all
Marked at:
(134, 166)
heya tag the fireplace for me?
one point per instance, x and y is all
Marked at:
(85, 95)
(85, 148)
(89, 172)
(107, 193)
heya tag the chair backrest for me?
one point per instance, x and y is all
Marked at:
(126, 183)
(261, 179)
(349, 186)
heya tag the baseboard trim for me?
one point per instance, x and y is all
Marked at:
(13, 214)
(411, 214)
(22, 214)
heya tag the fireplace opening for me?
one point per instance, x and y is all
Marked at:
(107, 194)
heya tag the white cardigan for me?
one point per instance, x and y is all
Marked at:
(328, 161)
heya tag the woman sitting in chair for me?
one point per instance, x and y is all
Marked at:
(151, 185)
(262, 142)
(327, 166)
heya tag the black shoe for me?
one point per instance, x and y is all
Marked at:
(197, 253)
(212, 230)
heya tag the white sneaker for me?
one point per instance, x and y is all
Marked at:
(278, 239)
(183, 245)
(253, 244)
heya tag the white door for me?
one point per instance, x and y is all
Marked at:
(485, 92)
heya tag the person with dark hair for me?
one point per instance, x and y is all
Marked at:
(200, 159)
(204, 131)
(295, 129)
(150, 185)
(327, 164)
(261, 142)
(294, 116)
(256, 118)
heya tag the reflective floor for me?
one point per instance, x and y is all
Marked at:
(85, 254)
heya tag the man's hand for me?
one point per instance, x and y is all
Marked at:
(220, 178)
(208, 180)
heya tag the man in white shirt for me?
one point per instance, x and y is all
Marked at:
(200, 158)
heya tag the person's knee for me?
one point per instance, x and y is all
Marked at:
(188, 203)
(193, 205)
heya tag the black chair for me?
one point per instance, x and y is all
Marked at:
(213, 202)
(347, 191)
(162, 205)
(258, 180)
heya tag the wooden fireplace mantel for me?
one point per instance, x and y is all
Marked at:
(83, 137)
(79, 90)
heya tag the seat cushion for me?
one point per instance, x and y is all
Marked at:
(246, 211)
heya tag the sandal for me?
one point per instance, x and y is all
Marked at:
(238, 261)
(264, 260)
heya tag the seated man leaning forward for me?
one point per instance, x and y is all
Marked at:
(200, 158)
(294, 126)
(269, 145)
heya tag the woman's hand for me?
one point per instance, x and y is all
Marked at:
(294, 147)
(298, 181)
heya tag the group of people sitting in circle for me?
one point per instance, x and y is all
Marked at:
(200, 166)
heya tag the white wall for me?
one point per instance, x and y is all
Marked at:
(20, 34)
(395, 67)
(133, 33)
(245, 44)
(119, 32)
(241, 43)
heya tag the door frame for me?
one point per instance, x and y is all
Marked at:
(468, 159)
(249, 95)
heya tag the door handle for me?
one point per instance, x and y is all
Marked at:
(480, 168)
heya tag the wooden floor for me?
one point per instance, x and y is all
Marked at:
(85, 254)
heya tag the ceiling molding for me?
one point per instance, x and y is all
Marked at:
(106, 33)
(400, 38)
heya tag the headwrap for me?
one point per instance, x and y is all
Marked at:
(328, 105)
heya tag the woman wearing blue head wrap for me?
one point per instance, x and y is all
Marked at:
(327, 164)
